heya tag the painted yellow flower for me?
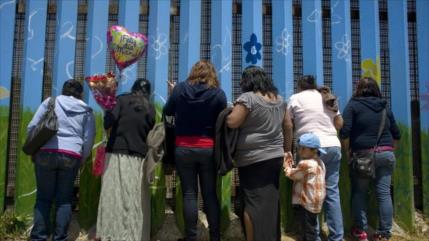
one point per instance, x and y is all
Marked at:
(4, 93)
(371, 69)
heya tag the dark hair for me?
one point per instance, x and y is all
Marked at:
(141, 94)
(255, 79)
(72, 88)
(141, 87)
(366, 87)
(307, 82)
(203, 72)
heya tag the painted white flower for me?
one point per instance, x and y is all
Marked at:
(284, 42)
(344, 48)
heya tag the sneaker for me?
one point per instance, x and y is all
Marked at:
(379, 237)
(359, 234)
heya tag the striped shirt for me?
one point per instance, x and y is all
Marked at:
(309, 184)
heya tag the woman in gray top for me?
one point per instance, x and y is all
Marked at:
(260, 114)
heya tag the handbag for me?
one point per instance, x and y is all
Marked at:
(363, 163)
(44, 130)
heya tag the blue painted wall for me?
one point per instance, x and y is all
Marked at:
(312, 39)
(190, 39)
(283, 46)
(65, 44)
(159, 43)
(370, 39)
(221, 43)
(251, 33)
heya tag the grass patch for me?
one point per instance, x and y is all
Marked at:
(403, 181)
(158, 189)
(4, 126)
(425, 169)
(25, 177)
(13, 226)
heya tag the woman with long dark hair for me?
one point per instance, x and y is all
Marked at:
(196, 104)
(260, 114)
(124, 207)
(362, 120)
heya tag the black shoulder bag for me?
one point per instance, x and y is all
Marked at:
(363, 163)
(44, 130)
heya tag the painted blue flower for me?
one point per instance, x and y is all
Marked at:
(252, 48)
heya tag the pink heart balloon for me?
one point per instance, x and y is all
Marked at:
(125, 47)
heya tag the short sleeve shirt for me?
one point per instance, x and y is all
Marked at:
(310, 116)
(260, 136)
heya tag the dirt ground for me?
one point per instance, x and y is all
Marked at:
(169, 231)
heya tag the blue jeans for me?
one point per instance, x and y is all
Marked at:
(55, 176)
(384, 164)
(193, 164)
(332, 205)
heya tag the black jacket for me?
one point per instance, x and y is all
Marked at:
(225, 143)
(130, 123)
(195, 108)
(362, 117)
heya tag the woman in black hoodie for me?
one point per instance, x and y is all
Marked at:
(195, 104)
(362, 118)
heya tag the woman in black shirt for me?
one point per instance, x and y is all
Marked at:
(124, 207)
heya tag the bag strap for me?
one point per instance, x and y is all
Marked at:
(381, 128)
(51, 103)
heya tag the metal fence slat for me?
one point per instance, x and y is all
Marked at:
(31, 97)
(7, 26)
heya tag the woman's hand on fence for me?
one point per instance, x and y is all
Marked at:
(171, 84)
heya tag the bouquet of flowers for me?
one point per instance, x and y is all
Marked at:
(103, 88)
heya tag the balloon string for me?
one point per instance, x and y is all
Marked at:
(120, 77)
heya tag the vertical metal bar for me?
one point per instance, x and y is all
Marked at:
(251, 32)
(370, 60)
(31, 96)
(159, 42)
(342, 82)
(401, 106)
(370, 39)
(312, 39)
(221, 57)
(342, 50)
(129, 17)
(189, 54)
(221, 43)
(190, 36)
(157, 72)
(95, 55)
(7, 26)
(282, 25)
(422, 10)
(282, 12)
(65, 44)
(95, 61)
